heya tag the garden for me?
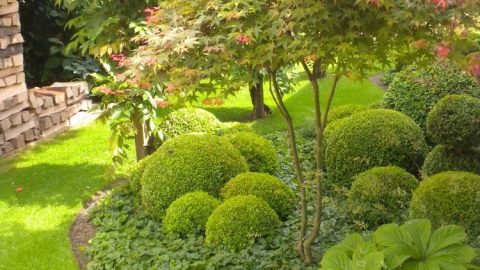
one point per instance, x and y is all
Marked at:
(333, 135)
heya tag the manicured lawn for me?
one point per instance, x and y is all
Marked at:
(58, 176)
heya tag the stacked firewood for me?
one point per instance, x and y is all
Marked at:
(17, 125)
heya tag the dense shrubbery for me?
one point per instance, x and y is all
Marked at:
(381, 195)
(455, 121)
(259, 152)
(415, 90)
(449, 198)
(239, 221)
(185, 164)
(232, 127)
(136, 174)
(188, 120)
(278, 195)
(443, 158)
(372, 138)
(345, 111)
(189, 213)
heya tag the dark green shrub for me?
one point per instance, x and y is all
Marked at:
(188, 163)
(345, 111)
(369, 139)
(188, 120)
(278, 195)
(415, 90)
(455, 121)
(442, 159)
(259, 152)
(136, 173)
(239, 221)
(449, 198)
(381, 195)
(232, 127)
(189, 213)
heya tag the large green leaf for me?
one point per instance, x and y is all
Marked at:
(349, 244)
(392, 235)
(445, 236)
(420, 230)
(336, 260)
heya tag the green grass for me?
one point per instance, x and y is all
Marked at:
(58, 176)
(299, 103)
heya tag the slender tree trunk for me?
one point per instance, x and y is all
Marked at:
(139, 137)
(258, 101)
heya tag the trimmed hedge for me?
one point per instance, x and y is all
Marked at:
(414, 91)
(449, 198)
(443, 158)
(188, 120)
(136, 173)
(239, 221)
(259, 152)
(185, 164)
(455, 121)
(278, 195)
(372, 138)
(232, 127)
(381, 195)
(189, 213)
(345, 111)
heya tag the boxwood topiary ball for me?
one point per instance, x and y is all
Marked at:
(188, 120)
(185, 164)
(369, 139)
(455, 121)
(239, 221)
(259, 152)
(136, 173)
(189, 213)
(345, 111)
(449, 198)
(443, 159)
(414, 90)
(232, 127)
(381, 195)
(278, 195)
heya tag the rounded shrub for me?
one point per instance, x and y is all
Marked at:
(449, 198)
(188, 120)
(259, 152)
(345, 111)
(232, 127)
(414, 90)
(239, 221)
(188, 163)
(189, 213)
(443, 158)
(381, 195)
(278, 195)
(135, 174)
(372, 138)
(455, 121)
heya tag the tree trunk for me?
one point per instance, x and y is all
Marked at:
(139, 137)
(256, 95)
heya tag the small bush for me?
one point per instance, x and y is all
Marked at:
(239, 221)
(259, 152)
(189, 213)
(443, 159)
(345, 111)
(455, 121)
(136, 173)
(232, 127)
(369, 139)
(449, 198)
(278, 195)
(414, 91)
(185, 164)
(381, 195)
(188, 120)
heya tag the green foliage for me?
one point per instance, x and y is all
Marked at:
(239, 221)
(233, 127)
(189, 213)
(381, 195)
(455, 121)
(443, 158)
(136, 173)
(449, 198)
(188, 120)
(415, 90)
(372, 138)
(185, 164)
(345, 111)
(259, 152)
(407, 247)
(279, 196)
